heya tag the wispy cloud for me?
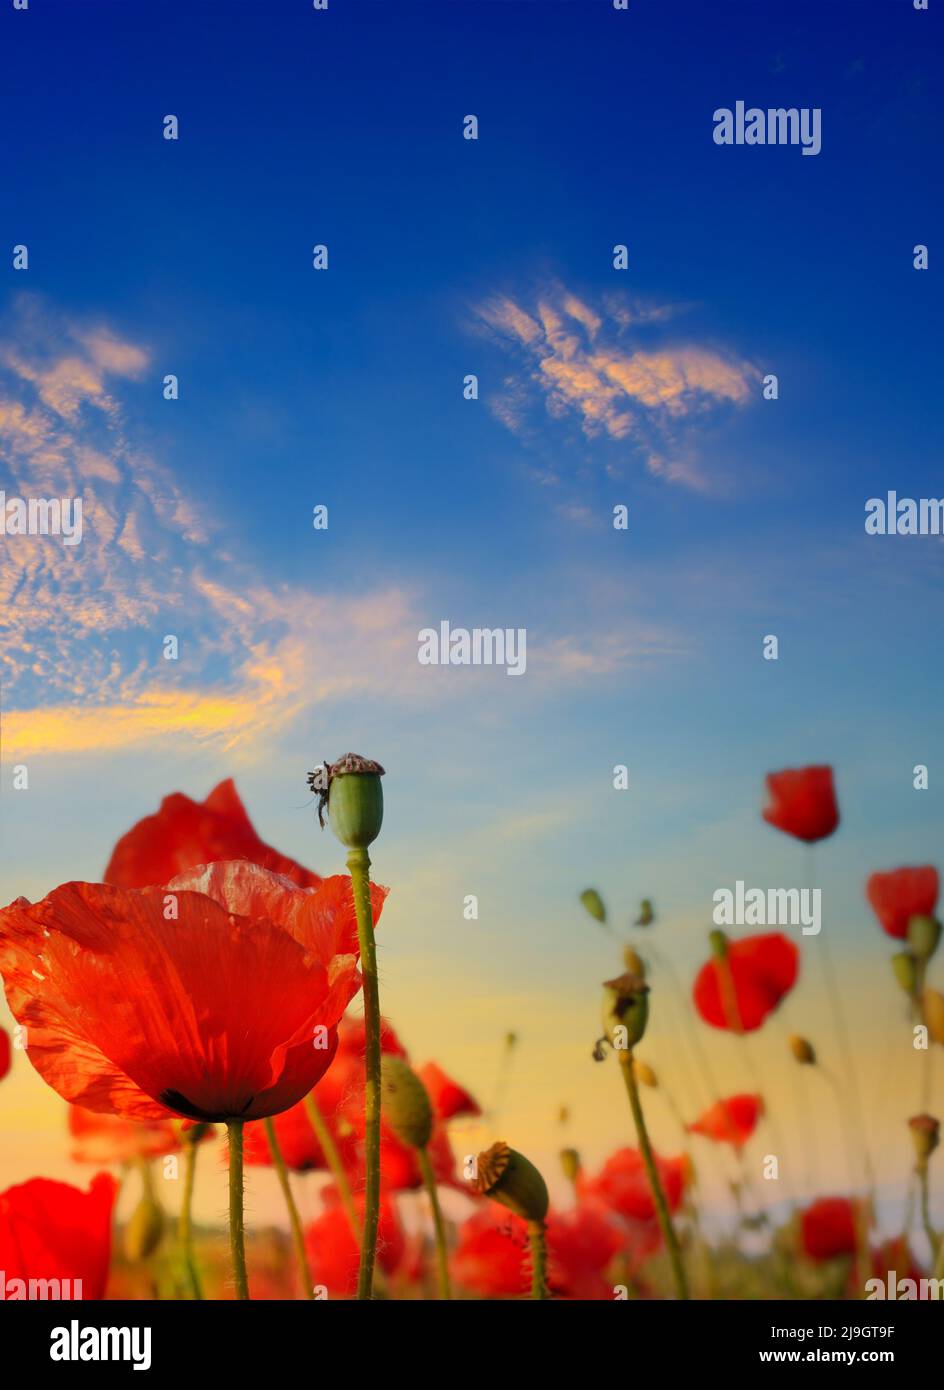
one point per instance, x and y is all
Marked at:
(84, 627)
(580, 362)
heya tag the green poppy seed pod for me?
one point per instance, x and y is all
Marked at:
(923, 935)
(594, 904)
(509, 1178)
(802, 1050)
(406, 1106)
(625, 1006)
(718, 943)
(355, 800)
(925, 1135)
(143, 1232)
(634, 963)
(903, 964)
(570, 1164)
(932, 1008)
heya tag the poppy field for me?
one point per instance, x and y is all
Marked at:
(136, 1001)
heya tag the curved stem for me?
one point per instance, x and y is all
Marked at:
(358, 861)
(538, 1242)
(237, 1234)
(298, 1235)
(442, 1259)
(929, 1230)
(333, 1159)
(185, 1220)
(658, 1196)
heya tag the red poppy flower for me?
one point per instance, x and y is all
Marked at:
(492, 1257)
(339, 1096)
(828, 1228)
(49, 1230)
(101, 1139)
(184, 833)
(4, 1054)
(225, 1009)
(447, 1097)
(622, 1184)
(730, 1121)
(802, 802)
(762, 970)
(334, 1252)
(399, 1169)
(901, 894)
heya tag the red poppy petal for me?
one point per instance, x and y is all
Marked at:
(900, 894)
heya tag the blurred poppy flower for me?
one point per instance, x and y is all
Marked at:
(101, 1139)
(730, 1121)
(399, 1167)
(828, 1227)
(185, 833)
(4, 1054)
(447, 1097)
(49, 1230)
(623, 1187)
(901, 894)
(762, 970)
(334, 1252)
(206, 998)
(802, 802)
(492, 1260)
(298, 1142)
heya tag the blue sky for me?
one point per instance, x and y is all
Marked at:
(344, 387)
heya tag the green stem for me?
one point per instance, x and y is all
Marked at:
(333, 1159)
(929, 1230)
(237, 1234)
(442, 1260)
(358, 861)
(298, 1235)
(658, 1196)
(185, 1220)
(538, 1242)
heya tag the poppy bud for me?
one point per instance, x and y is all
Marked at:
(903, 964)
(802, 1050)
(594, 904)
(932, 1007)
(355, 800)
(625, 1005)
(634, 963)
(509, 1178)
(646, 915)
(644, 1073)
(923, 935)
(406, 1106)
(925, 1135)
(144, 1230)
(719, 944)
(570, 1164)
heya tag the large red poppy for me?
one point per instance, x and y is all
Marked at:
(802, 802)
(4, 1054)
(49, 1230)
(101, 1139)
(828, 1227)
(901, 894)
(623, 1186)
(334, 1252)
(739, 992)
(184, 833)
(730, 1121)
(447, 1097)
(226, 1010)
